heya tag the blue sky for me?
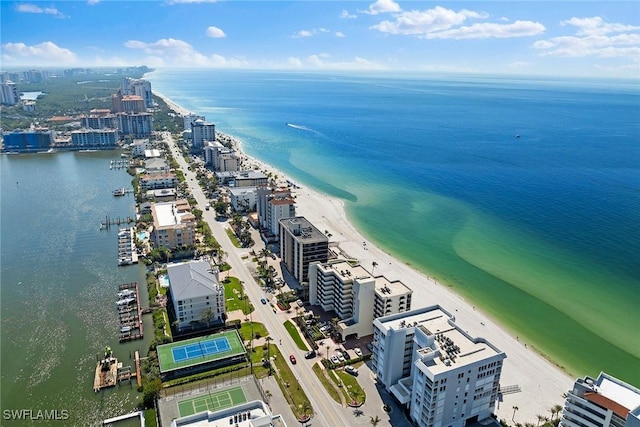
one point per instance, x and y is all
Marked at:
(593, 38)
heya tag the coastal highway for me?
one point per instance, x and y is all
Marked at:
(326, 411)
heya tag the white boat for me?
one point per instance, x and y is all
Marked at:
(125, 329)
(119, 192)
(125, 301)
(126, 293)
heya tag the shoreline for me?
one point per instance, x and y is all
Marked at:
(541, 380)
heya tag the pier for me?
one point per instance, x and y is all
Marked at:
(127, 253)
(106, 374)
(108, 222)
(130, 312)
(119, 164)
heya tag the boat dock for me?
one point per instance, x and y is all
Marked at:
(118, 192)
(127, 253)
(110, 372)
(130, 312)
(108, 222)
(119, 164)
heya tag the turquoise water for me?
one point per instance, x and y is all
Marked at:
(59, 284)
(522, 194)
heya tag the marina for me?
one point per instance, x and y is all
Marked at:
(129, 312)
(119, 164)
(127, 253)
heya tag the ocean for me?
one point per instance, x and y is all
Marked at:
(522, 194)
(59, 281)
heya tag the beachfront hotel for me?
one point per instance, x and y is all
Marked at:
(441, 374)
(601, 402)
(301, 244)
(351, 291)
(173, 224)
(194, 288)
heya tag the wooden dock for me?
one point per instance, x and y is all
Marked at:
(130, 315)
(106, 374)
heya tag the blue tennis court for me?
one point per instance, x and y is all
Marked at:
(200, 349)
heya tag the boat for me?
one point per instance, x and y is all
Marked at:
(125, 329)
(119, 192)
(123, 156)
(125, 301)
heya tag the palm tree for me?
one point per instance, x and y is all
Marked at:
(555, 411)
(267, 395)
(540, 418)
(268, 339)
(373, 266)
(515, 408)
(355, 393)
(374, 420)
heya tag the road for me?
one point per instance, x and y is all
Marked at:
(326, 411)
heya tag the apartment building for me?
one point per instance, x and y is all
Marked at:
(605, 401)
(138, 87)
(139, 146)
(95, 138)
(9, 93)
(443, 376)
(248, 178)
(98, 121)
(136, 125)
(31, 140)
(173, 224)
(301, 244)
(194, 288)
(202, 131)
(153, 181)
(243, 199)
(351, 291)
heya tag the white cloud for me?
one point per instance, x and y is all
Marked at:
(92, 2)
(340, 34)
(594, 37)
(382, 6)
(215, 32)
(309, 33)
(178, 53)
(44, 53)
(421, 23)
(32, 8)
(323, 61)
(346, 15)
(487, 30)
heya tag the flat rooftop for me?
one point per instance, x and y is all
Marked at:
(345, 270)
(436, 321)
(171, 213)
(303, 231)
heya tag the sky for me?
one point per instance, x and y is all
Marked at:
(568, 38)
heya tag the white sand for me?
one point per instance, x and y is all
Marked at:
(542, 383)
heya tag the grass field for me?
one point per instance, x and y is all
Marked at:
(212, 402)
(166, 351)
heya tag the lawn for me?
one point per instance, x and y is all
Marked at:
(295, 335)
(351, 388)
(233, 238)
(258, 330)
(325, 382)
(290, 387)
(235, 296)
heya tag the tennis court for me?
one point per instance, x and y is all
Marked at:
(200, 349)
(212, 402)
(196, 351)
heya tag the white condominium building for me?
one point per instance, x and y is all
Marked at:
(195, 288)
(355, 295)
(601, 402)
(442, 375)
(202, 131)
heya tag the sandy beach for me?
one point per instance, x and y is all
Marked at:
(542, 384)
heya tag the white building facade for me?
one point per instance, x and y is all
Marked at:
(202, 131)
(441, 374)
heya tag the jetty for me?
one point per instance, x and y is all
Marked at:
(127, 253)
(119, 164)
(119, 192)
(108, 222)
(130, 312)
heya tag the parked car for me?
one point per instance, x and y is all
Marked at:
(292, 358)
(263, 300)
(340, 356)
(345, 354)
(310, 354)
(351, 370)
(358, 352)
(324, 328)
(334, 359)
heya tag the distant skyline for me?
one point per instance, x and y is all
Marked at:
(565, 38)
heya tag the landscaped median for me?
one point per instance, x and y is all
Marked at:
(291, 328)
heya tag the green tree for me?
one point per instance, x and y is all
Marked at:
(374, 421)
(207, 316)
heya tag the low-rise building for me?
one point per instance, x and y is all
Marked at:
(195, 288)
(139, 146)
(250, 414)
(605, 401)
(153, 181)
(442, 375)
(248, 178)
(243, 199)
(173, 224)
(156, 165)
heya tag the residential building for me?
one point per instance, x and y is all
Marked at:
(211, 150)
(95, 138)
(351, 291)
(9, 93)
(139, 146)
(443, 376)
(31, 140)
(99, 121)
(136, 125)
(250, 414)
(138, 87)
(601, 402)
(127, 103)
(156, 165)
(243, 199)
(190, 119)
(29, 106)
(274, 204)
(152, 153)
(161, 195)
(173, 224)
(202, 131)
(301, 244)
(153, 181)
(194, 289)
(248, 178)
